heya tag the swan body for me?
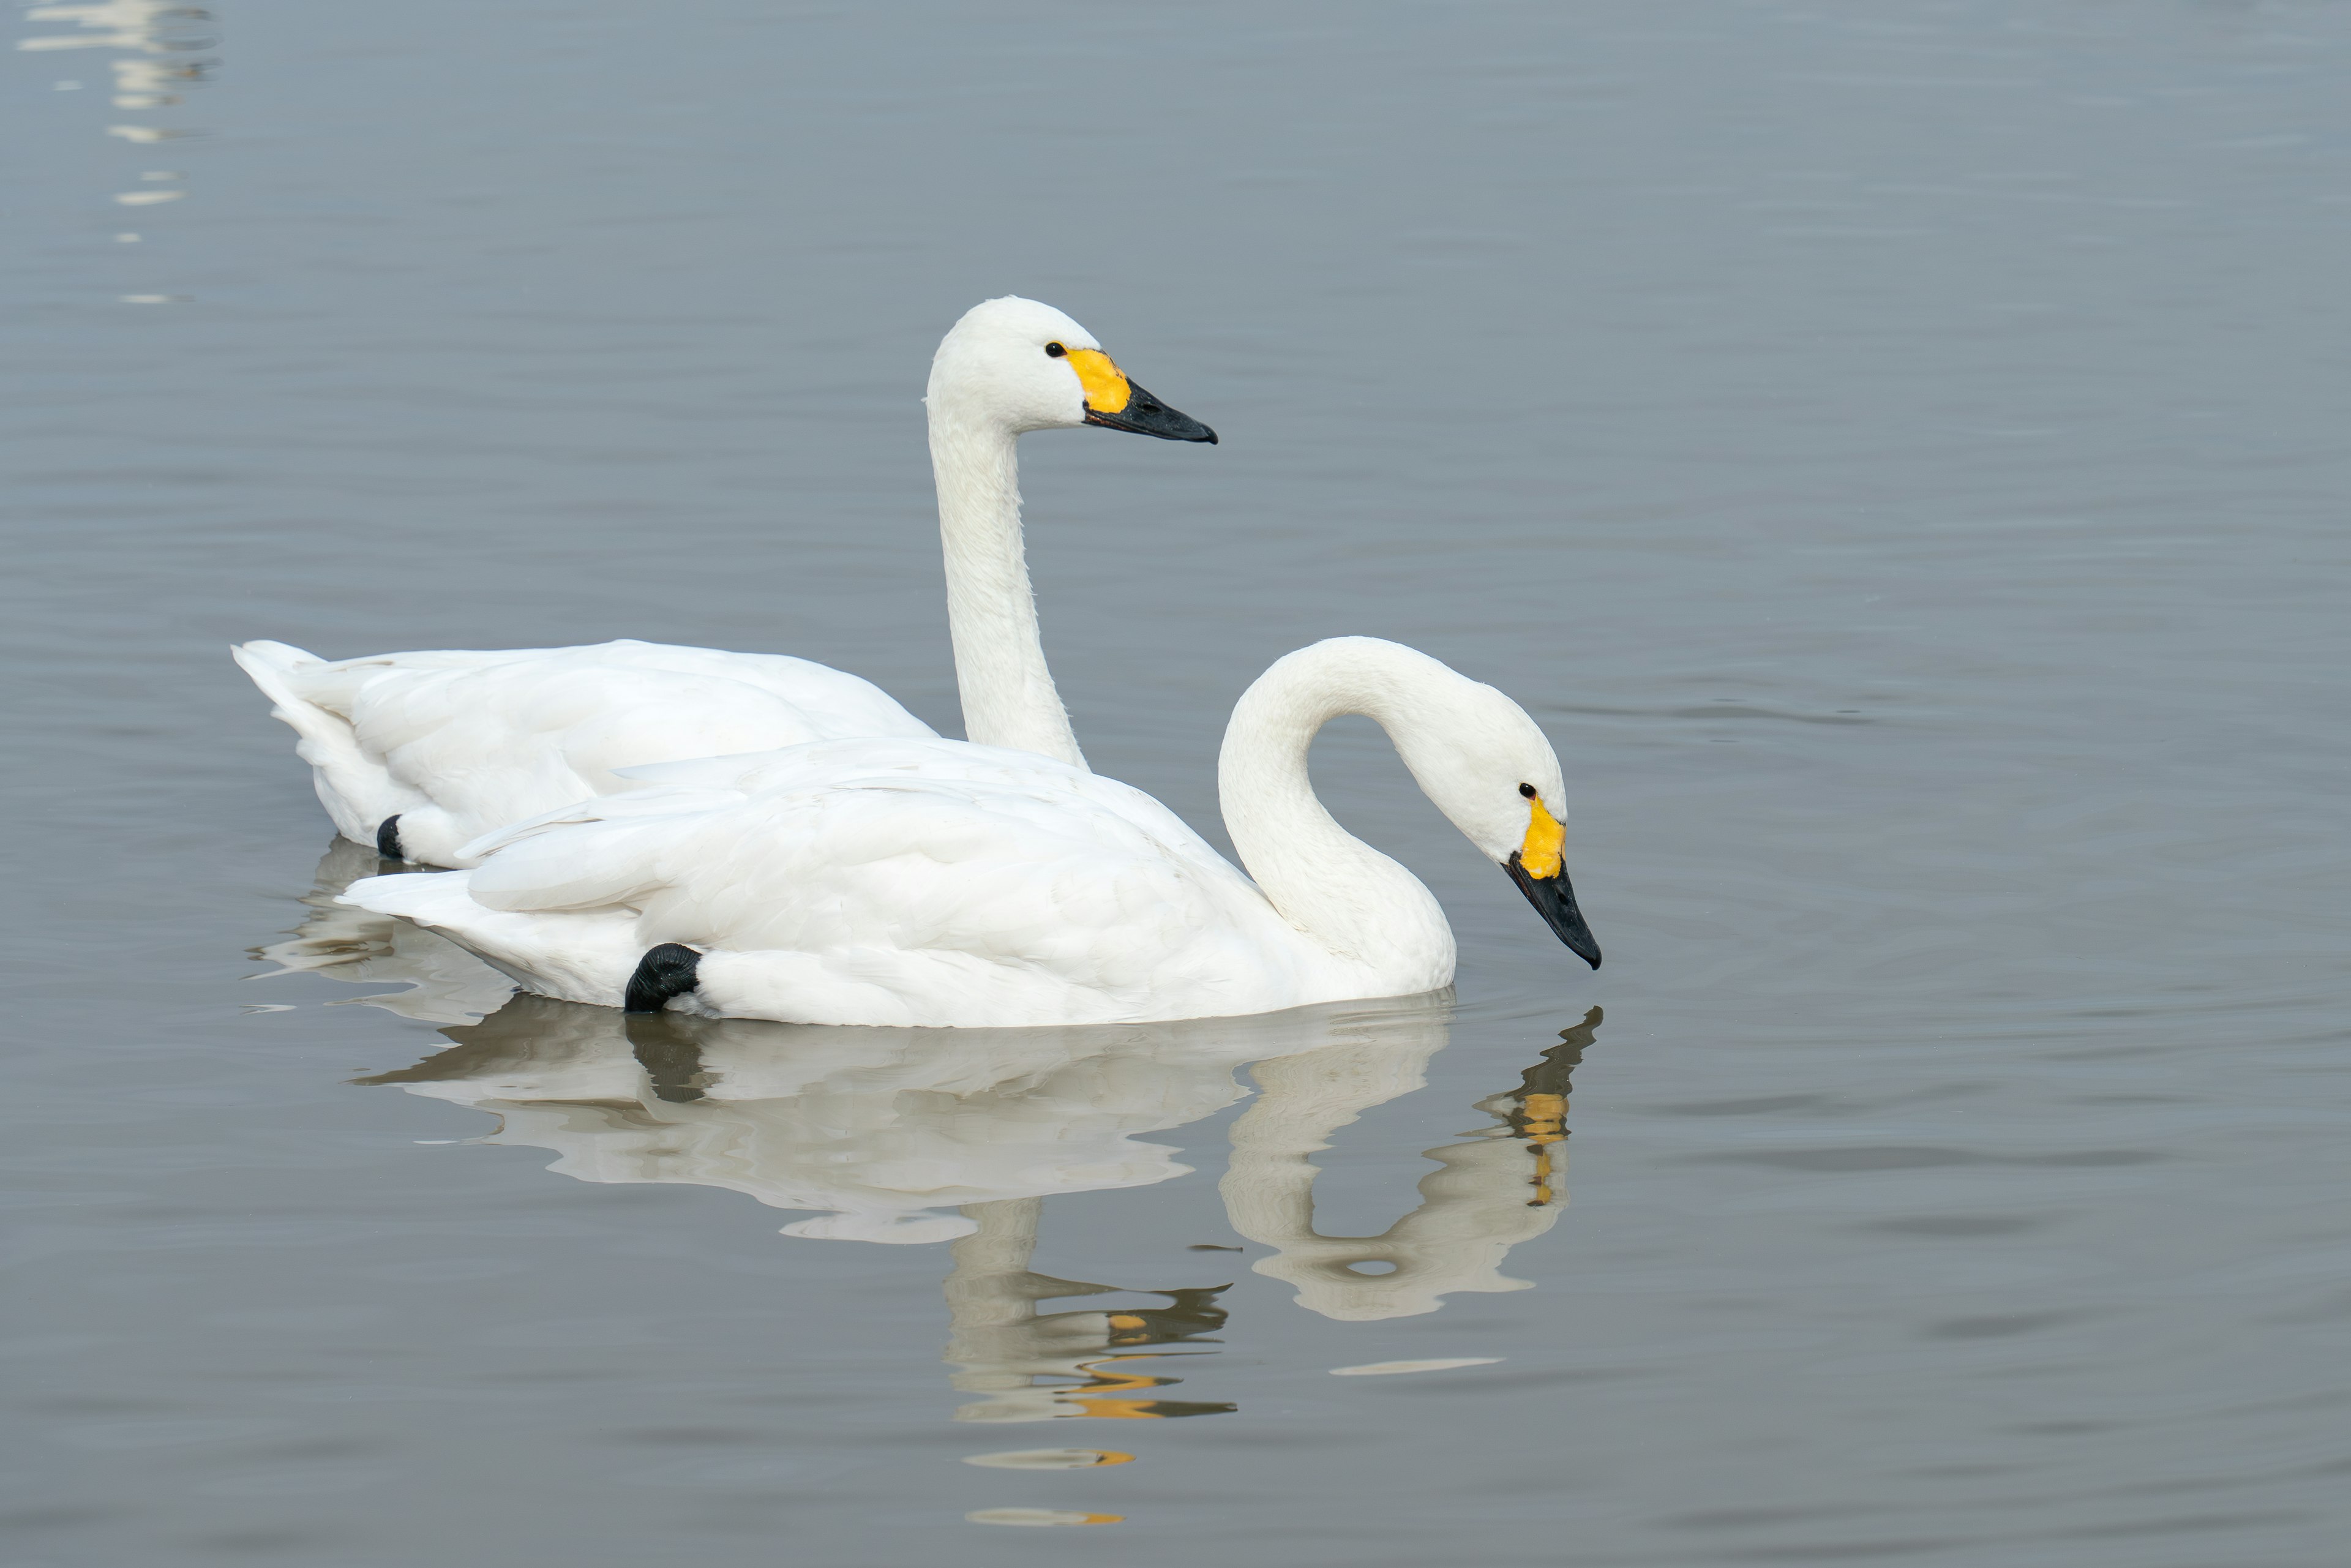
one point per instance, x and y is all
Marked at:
(419, 753)
(932, 883)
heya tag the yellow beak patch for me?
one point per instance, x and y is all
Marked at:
(1107, 391)
(1539, 856)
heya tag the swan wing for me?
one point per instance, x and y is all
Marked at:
(356, 787)
(460, 742)
(831, 700)
(969, 887)
(881, 763)
(662, 801)
(932, 902)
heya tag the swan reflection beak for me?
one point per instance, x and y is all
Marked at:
(1146, 415)
(1554, 900)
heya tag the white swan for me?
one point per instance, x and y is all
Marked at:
(934, 882)
(414, 754)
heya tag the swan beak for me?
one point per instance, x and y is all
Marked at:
(1116, 403)
(1535, 865)
(1146, 415)
(1554, 900)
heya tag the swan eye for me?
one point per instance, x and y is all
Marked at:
(1054, 350)
(1527, 791)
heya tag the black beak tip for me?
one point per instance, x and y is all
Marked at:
(1146, 415)
(1554, 899)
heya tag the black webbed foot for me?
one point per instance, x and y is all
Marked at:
(663, 972)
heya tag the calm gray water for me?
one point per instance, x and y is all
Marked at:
(1895, 448)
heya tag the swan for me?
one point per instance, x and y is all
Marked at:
(414, 754)
(931, 882)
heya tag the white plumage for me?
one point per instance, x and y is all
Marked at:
(934, 882)
(456, 743)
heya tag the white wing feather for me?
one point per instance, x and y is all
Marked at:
(460, 742)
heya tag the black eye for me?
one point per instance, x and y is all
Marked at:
(1527, 791)
(1054, 350)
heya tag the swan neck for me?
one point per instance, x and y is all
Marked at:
(1362, 907)
(1009, 697)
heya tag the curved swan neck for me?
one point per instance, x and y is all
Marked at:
(1337, 889)
(1009, 698)
(1474, 1207)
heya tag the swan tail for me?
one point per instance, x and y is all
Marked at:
(357, 790)
(434, 898)
(571, 959)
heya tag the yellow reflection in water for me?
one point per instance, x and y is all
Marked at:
(1039, 1366)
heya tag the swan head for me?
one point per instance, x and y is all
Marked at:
(1489, 767)
(1022, 366)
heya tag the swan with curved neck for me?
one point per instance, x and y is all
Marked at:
(932, 883)
(417, 753)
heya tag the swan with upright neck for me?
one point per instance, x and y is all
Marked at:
(415, 753)
(935, 883)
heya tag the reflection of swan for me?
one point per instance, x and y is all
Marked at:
(418, 753)
(156, 42)
(339, 941)
(1492, 1193)
(892, 1131)
(146, 28)
(882, 1129)
(939, 883)
(1004, 1346)
(1488, 1195)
